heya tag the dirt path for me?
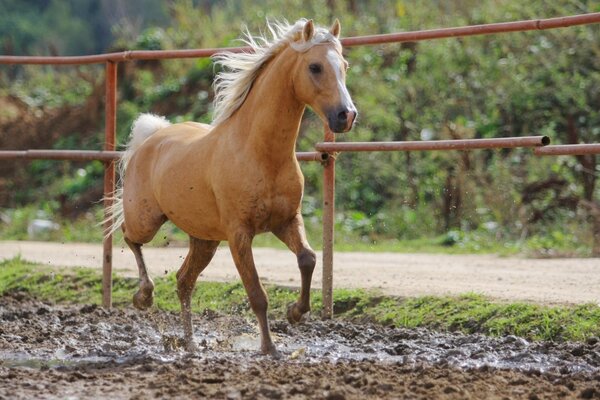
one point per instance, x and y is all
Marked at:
(549, 281)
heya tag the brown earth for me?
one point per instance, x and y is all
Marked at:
(56, 351)
(267, 379)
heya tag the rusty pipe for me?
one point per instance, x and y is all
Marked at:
(419, 145)
(568, 149)
(110, 155)
(502, 27)
(127, 55)
(485, 29)
(73, 155)
(311, 156)
(328, 229)
(110, 137)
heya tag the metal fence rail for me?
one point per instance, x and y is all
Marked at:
(569, 150)
(421, 145)
(324, 150)
(107, 155)
(442, 33)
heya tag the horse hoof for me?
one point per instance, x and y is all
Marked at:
(142, 301)
(271, 351)
(294, 315)
(190, 346)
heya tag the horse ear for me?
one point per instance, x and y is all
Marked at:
(336, 28)
(309, 30)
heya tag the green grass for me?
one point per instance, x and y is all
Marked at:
(86, 229)
(469, 313)
(473, 313)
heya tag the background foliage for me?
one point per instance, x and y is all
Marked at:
(543, 82)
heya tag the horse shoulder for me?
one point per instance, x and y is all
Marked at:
(289, 185)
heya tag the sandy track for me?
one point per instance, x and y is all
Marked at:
(548, 281)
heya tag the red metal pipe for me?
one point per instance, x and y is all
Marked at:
(328, 229)
(516, 26)
(66, 60)
(110, 132)
(183, 53)
(73, 155)
(12, 154)
(127, 55)
(568, 149)
(89, 155)
(502, 27)
(311, 156)
(461, 144)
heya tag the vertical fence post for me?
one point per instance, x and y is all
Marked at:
(328, 229)
(110, 133)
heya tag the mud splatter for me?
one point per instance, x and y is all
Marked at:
(55, 351)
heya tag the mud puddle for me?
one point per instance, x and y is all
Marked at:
(67, 351)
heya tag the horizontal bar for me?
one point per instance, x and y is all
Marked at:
(127, 55)
(326, 147)
(419, 145)
(89, 155)
(502, 27)
(74, 155)
(568, 149)
(312, 156)
(516, 26)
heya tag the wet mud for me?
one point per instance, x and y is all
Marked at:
(56, 351)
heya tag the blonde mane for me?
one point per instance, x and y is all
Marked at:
(233, 84)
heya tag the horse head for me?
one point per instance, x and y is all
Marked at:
(319, 76)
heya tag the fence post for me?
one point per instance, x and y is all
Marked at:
(328, 229)
(110, 133)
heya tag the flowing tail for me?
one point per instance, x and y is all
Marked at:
(143, 127)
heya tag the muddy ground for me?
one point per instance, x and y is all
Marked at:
(57, 351)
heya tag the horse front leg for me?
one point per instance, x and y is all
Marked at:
(294, 236)
(199, 256)
(240, 244)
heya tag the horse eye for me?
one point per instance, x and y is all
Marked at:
(315, 68)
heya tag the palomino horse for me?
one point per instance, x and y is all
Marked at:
(239, 176)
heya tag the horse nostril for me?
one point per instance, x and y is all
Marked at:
(342, 116)
(351, 116)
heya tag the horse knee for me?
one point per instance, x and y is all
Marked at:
(307, 259)
(259, 302)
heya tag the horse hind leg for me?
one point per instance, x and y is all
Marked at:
(142, 220)
(199, 256)
(144, 297)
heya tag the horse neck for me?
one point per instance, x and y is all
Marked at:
(269, 119)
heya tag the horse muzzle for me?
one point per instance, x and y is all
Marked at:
(342, 119)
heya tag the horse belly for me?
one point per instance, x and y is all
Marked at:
(193, 210)
(186, 199)
(199, 226)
